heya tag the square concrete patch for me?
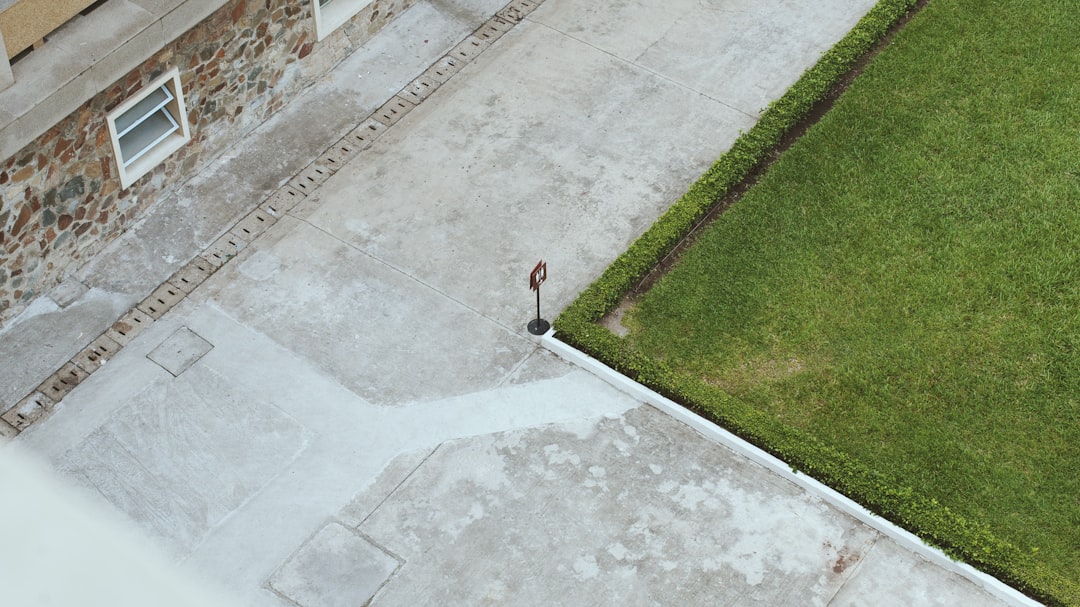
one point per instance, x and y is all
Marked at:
(184, 454)
(180, 350)
(334, 568)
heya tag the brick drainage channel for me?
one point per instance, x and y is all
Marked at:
(40, 403)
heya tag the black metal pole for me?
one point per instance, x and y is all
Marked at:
(538, 326)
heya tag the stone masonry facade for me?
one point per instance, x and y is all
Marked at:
(60, 196)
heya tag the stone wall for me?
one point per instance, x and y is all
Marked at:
(60, 196)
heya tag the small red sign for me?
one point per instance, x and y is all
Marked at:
(538, 275)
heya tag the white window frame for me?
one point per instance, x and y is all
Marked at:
(149, 127)
(332, 14)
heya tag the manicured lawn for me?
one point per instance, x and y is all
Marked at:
(904, 283)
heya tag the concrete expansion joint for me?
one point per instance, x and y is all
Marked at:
(397, 557)
(43, 400)
(521, 363)
(637, 65)
(393, 491)
(855, 568)
(280, 595)
(324, 550)
(394, 268)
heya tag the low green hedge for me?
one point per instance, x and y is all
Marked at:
(578, 326)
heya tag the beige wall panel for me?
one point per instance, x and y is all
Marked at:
(28, 21)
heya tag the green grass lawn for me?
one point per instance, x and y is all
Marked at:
(904, 283)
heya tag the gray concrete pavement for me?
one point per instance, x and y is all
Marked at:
(182, 225)
(351, 408)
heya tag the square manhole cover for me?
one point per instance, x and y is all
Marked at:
(180, 350)
(336, 568)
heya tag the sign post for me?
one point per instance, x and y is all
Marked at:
(538, 326)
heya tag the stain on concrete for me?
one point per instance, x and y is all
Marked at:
(633, 510)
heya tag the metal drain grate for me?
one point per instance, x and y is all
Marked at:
(419, 89)
(366, 134)
(161, 300)
(345, 150)
(193, 274)
(518, 10)
(62, 382)
(469, 48)
(129, 325)
(256, 222)
(393, 110)
(303, 184)
(225, 248)
(282, 201)
(443, 69)
(333, 159)
(310, 178)
(96, 354)
(493, 29)
(28, 410)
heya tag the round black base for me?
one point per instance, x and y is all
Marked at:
(539, 326)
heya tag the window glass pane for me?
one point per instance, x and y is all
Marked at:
(144, 107)
(152, 130)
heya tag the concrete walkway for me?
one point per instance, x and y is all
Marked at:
(351, 407)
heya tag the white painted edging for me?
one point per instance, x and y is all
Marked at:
(715, 433)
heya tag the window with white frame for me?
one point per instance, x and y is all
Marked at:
(149, 127)
(332, 14)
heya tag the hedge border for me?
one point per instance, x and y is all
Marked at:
(578, 326)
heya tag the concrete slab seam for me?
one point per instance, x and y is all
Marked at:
(280, 595)
(711, 431)
(415, 279)
(269, 583)
(855, 570)
(392, 492)
(183, 282)
(400, 562)
(521, 363)
(390, 553)
(651, 72)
